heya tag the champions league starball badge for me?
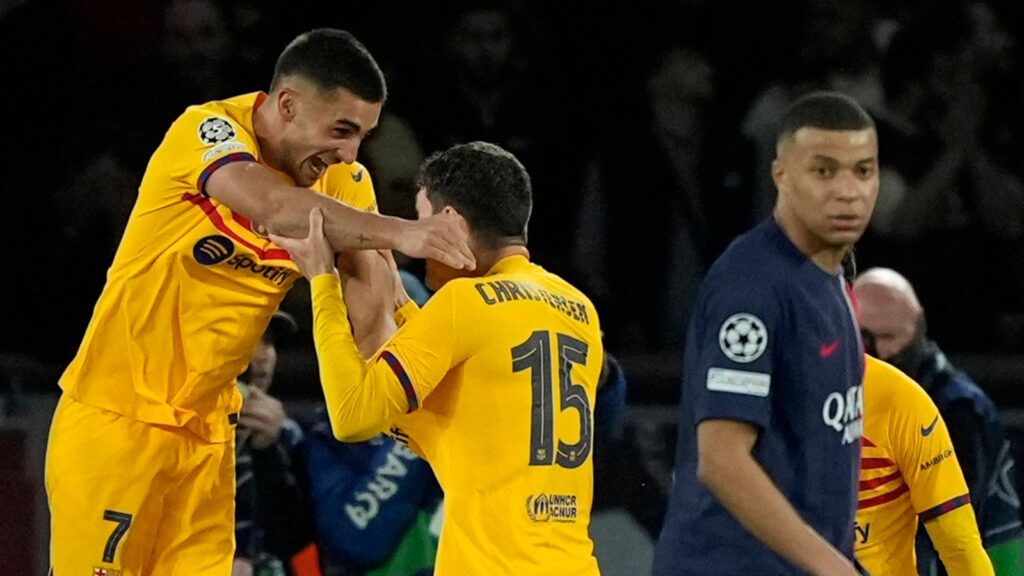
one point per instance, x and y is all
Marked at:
(216, 130)
(743, 337)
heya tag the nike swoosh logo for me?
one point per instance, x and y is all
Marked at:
(927, 430)
(357, 176)
(828, 349)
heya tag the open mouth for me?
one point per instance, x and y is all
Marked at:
(317, 165)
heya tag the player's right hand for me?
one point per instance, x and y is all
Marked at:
(442, 237)
(263, 416)
(312, 254)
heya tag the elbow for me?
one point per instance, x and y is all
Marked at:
(354, 437)
(716, 467)
(349, 432)
(273, 208)
(273, 215)
(708, 470)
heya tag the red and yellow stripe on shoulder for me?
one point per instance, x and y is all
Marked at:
(238, 227)
(880, 478)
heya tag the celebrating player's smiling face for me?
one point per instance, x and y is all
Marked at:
(322, 128)
(828, 184)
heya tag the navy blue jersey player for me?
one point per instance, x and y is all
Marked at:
(771, 409)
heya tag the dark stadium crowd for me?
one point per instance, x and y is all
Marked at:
(648, 128)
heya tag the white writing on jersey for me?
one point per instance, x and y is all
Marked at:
(845, 413)
(365, 504)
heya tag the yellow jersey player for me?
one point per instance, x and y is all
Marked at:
(909, 470)
(140, 471)
(492, 382)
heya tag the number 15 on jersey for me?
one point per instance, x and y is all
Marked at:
(535, 355)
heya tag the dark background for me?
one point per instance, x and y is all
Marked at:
(646, 126)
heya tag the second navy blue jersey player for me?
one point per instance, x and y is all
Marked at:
(774, 344)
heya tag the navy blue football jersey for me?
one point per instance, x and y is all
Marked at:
(773, 342)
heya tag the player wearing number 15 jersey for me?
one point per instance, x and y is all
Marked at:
(493, 381)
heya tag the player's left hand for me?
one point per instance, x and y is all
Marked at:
(263, 415)
(312, 254)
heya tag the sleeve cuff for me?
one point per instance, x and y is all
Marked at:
(324, 282)
(217, 164)
(403, 378)
(947, 506)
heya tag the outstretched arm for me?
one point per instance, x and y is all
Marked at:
(254, 191)
(361, 398)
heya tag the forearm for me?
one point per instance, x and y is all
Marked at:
(956, 539)
(746, 491)
(368, 286)
(360, 399)
(347, 228)
(259, 194)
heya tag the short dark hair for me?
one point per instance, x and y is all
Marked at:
(332, 59)
(486, 184)
(825, 110)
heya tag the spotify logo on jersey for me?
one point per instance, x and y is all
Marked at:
(213, 250)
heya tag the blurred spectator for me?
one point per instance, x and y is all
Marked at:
(835, 50)
(894, 326)
(124, 122)
(194, 61)
(393, 155)
(271, 512)
(951, 211)
(487, 88)
(373, 501)
(628, 507)
(260, 28)
(662, 202)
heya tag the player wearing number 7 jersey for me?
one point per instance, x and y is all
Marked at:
(493, 381)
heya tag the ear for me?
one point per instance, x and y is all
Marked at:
(779, 174)
(450, 210)
(286, 104)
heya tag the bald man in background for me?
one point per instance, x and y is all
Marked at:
(894, 328)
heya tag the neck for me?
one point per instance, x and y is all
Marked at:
(265, 125)
(486, 259)
(828, 257)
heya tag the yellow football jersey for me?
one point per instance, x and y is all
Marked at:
(193, 285)
(501, 375)
(908, 470)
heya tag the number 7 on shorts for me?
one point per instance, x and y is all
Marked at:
(123, 521)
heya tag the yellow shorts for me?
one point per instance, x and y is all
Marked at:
(130, 499)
